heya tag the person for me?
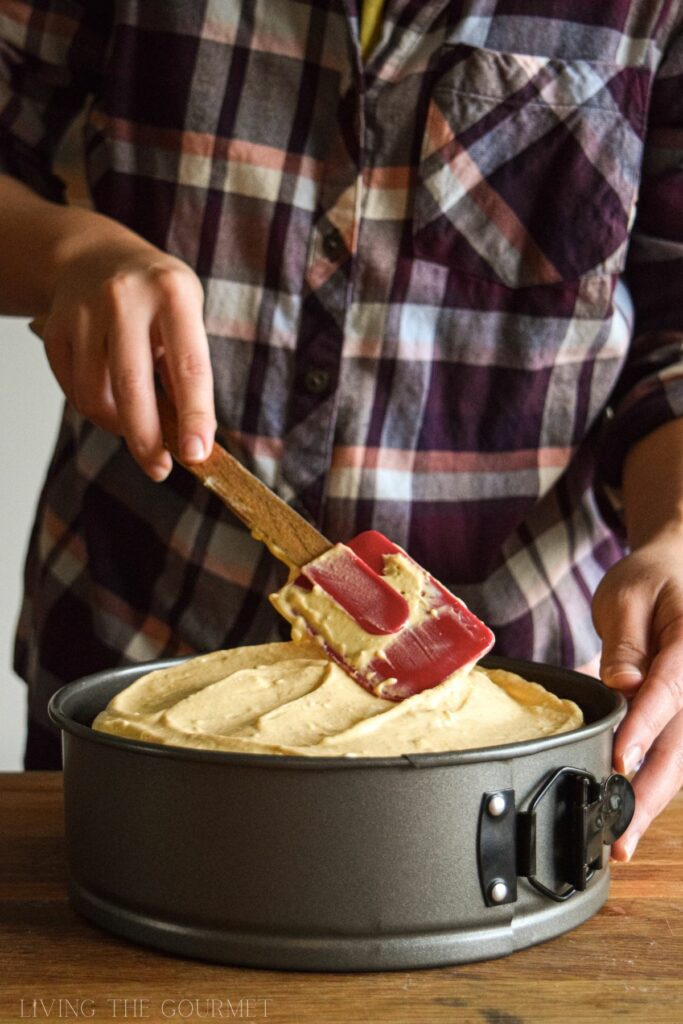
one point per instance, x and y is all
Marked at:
(410, 289)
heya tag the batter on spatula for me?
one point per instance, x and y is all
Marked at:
(386, 621)
(389, 624)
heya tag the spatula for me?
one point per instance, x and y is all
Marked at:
(412, 652)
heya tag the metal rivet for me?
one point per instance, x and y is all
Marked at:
(498, 892)
(496, 805)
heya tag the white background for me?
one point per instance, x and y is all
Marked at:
(30, 405)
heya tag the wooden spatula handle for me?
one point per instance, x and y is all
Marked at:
(287, 534)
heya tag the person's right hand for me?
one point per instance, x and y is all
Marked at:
(116, 315)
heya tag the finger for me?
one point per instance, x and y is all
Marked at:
(622, 620)
(132, 380)
(655, 785)
(186, 356)
(59, 355)
(657, 702)
(92, 391)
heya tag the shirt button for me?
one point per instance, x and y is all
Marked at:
(316, 381)
(333, 245)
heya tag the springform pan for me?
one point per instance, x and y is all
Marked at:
(341, 864)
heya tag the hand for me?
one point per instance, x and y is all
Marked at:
(638, 613)
(116, 315)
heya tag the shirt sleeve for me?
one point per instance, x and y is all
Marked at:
(51, 54)
(650, 388)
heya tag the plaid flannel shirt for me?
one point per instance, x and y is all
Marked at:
(411, 266)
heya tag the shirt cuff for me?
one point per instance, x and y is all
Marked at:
(652, 403)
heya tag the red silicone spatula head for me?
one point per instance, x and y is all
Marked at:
(415, 654)
(361, 591)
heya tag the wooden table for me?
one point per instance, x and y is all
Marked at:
(625, 964)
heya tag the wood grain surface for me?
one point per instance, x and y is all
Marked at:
(625, 964)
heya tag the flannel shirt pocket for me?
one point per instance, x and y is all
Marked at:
(529, 166)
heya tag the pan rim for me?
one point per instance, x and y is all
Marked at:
(441, 759)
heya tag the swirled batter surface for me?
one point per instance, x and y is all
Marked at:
(289, 698)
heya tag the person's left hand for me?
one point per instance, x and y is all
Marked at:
(638, 613)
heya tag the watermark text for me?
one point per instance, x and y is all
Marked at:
(143, 1008)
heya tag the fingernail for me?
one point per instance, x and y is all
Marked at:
(159, 472)
(631, 759)
(622, 675)
(630, 844)
(193, 449)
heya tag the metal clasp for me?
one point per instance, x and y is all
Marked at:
(595, 815)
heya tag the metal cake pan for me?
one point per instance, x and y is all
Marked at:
(341, 864)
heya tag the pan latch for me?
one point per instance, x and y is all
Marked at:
(588, 815)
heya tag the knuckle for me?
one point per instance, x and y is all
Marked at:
(674, 686)
(172, 281)
(626, 649)
(197, 420)
(192, 365)
(116, 290)
(128, 384)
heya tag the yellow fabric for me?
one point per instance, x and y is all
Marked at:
(371, 19)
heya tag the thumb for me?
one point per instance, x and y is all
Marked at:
(621, 615)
